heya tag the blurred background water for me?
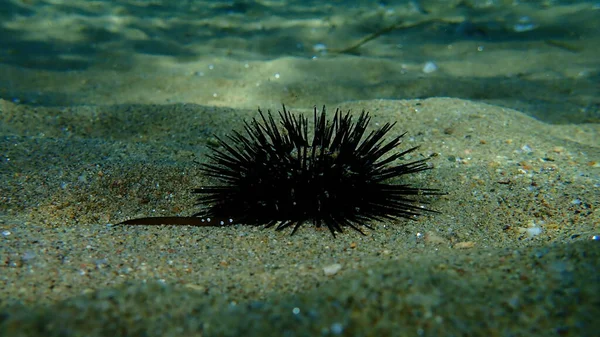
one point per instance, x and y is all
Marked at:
(540, 57)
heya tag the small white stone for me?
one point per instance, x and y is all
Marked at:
(429, 67)
(526, 148)
(332, 269)
(534, 231)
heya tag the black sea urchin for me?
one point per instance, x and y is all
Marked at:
(334, 176)
(281, 175)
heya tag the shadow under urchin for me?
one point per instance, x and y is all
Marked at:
(337, 175)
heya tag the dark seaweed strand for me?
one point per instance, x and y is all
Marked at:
(274, 175)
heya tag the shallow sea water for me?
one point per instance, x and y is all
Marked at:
(106, 107)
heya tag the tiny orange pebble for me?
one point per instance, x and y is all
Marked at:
(525, 165)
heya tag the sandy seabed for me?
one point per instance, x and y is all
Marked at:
(107, 108)
(514, 249)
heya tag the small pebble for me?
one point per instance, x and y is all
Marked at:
(332, 269)
(534, 231)
(526, 148)
(464, 245)
(429, 67)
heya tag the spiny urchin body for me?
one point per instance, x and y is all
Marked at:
(336, 175)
